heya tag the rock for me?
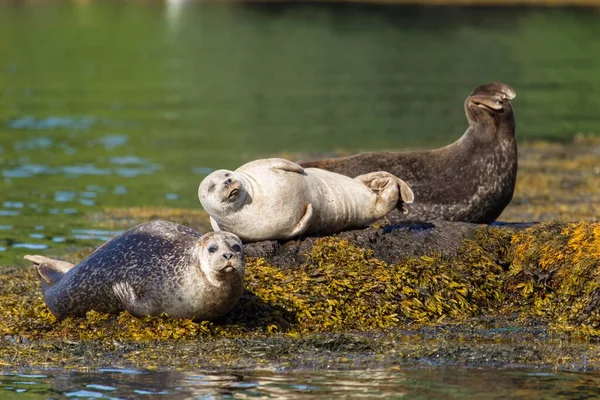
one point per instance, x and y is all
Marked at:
(390, 243)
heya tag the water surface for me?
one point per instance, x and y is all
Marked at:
(405, 383)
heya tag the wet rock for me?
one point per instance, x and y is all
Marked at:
(389, 243)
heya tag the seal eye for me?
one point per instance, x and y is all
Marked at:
(236, 248)
(212, 249)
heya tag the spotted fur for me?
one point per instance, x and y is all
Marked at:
(153, 268)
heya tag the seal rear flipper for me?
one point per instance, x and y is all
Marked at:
(406, 196)
(58, 265)
(50, 270)
(304, 222)
(131, 301)
(48, 273)
(389, 189)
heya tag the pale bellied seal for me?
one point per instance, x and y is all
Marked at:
(470, 180)
(153, 268)
(277, 199)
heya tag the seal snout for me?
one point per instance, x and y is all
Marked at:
(233, 189)
(508, 93)
(228, 256)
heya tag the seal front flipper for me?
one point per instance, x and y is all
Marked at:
(50, 270)
(132, 303)
(286, 165)
(304, 222)
(215, 225)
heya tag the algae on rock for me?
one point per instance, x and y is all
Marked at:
(547, 274)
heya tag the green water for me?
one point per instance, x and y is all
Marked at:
(409, 383)
(121, 104)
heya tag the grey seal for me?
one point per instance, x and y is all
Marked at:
(276, 199)
(153, 268)
(470, 180)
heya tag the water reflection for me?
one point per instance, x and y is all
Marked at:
(30, 246)
(34, 144)
(30, 122)
(95, 234)
(31, 170)
(111, 142)
(8, 213)
(452, 383)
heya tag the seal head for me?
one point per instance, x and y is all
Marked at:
(220, 256)
(222, 190)
(488, 110)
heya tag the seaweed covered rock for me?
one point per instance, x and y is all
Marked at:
(555, 273)
(546, 275)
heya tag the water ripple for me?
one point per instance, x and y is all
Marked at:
(30, 122)
(30, 246)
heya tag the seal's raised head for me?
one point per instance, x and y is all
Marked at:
(489, 104)
(220, 255)
(222, 190)
(493, 89)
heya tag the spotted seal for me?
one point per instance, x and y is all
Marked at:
(470, 180)
(277, 199)
(153, 268)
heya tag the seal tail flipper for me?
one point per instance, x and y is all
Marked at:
(50, 270)
(131, 301)
(304, 222)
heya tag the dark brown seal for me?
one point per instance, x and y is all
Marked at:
(153, 268)
(470, 180)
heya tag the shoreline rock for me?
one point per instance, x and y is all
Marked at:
(457, 293)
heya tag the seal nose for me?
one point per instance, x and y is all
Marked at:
(228, 256)
(228, 182)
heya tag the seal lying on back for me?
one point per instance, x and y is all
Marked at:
(277, 199)
(153, 268)
(470, 180)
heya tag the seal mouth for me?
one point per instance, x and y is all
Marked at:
(233, 193)
(227, 269)
(491, 106)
